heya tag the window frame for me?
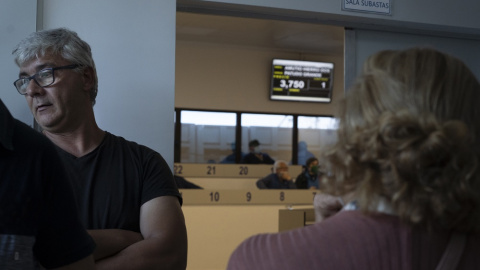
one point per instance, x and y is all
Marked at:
(238, 131)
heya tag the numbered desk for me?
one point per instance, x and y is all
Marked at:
(227, 176)
(247, 197)
(219, 220)
(229, 170)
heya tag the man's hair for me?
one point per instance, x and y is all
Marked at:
(309, 161)
(409, 133)
(253, 143)
(59, 42)
(277, 164)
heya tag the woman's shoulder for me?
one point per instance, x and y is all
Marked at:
(313, 246)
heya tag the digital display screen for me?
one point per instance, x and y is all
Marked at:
(301, 80)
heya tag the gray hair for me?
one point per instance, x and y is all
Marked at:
(277, 164)
(62, 42)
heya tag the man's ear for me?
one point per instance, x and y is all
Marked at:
(88, 78)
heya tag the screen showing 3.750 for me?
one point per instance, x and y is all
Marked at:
(301, 80)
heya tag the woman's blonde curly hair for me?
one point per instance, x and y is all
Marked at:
(408, 132)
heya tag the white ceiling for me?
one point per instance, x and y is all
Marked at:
(269, 34)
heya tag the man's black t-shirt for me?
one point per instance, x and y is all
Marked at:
(113, 181)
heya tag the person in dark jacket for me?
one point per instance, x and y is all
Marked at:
(308, 179)
(255, 156)
(279, 179)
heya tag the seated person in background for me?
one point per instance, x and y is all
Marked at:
(308, 179)
(231, 159)
(39, 222)
(279, 179)
(184, 183)
(255, 156)
(303, 153)
(407, 163)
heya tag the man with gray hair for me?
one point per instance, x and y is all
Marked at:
(125, 192)
(279, 179)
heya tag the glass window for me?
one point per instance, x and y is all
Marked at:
(273, 132)
(207, 137)
(314, 133)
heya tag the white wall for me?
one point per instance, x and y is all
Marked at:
(17, 20)
(437, 15)
(227, 77)
(368, 42)
(133, 45)
(450, 26)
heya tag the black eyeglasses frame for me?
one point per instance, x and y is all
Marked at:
(36, 74)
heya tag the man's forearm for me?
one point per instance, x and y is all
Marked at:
(164, 244)
(147, 254)
(112, 241)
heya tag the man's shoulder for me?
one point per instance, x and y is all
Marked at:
(271, 176)
(130, 149)
(266, 155)
(301, 176)
(119, 141)
(116, 139)
(304, 173)
(249, 158)
(249, 155)
(267, 159)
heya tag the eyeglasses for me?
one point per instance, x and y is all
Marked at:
(44, 77)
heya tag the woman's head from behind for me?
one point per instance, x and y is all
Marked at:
(408, 133)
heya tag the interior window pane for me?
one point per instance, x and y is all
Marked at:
(267, 120)
(274, 132)
(207, 137)
(314, 133)
(208, 118)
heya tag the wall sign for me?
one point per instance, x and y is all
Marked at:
(370, 6)
(297, 80)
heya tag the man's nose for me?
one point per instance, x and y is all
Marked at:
(33, 88)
